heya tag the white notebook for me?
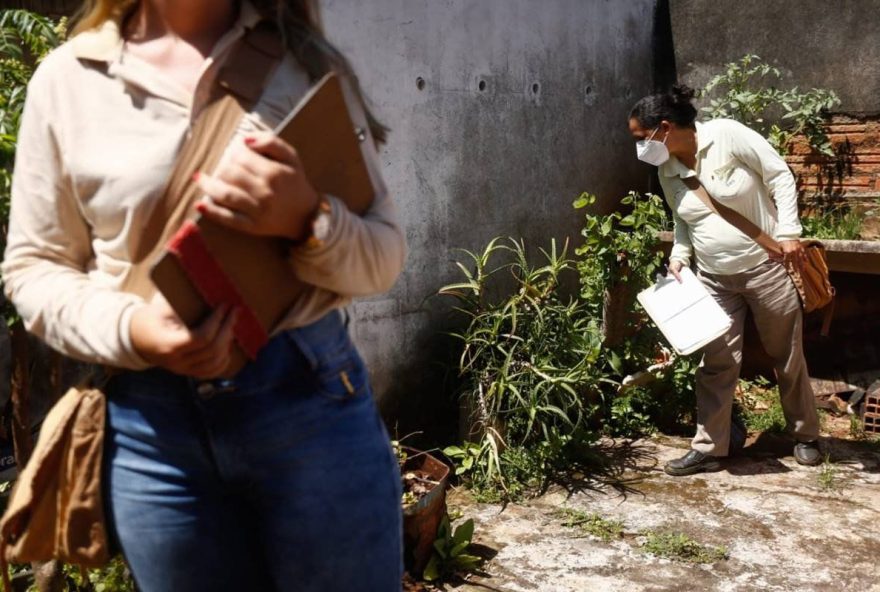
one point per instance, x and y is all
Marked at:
(685, 312)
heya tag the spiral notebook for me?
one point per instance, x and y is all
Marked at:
(685, 312)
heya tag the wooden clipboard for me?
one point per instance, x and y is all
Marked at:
(330, 147)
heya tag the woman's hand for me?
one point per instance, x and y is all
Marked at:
(262, 190)
(161, 338)
(793, 252)
(674, 268)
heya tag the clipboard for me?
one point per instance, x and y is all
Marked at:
(329, 146)
(686, 314)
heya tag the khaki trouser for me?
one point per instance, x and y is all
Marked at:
(768, 292)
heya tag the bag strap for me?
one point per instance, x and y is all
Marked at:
(751, 230)
(743, 224)
(237, 87)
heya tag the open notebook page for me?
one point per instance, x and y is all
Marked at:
(685, 312)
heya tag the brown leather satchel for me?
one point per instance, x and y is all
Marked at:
(813, 283)
(56, 507)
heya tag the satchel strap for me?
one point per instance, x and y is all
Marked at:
(743, 224)
(239, 84)
(754, 232)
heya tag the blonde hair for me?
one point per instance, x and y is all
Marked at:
(300, 25)
(94, 13)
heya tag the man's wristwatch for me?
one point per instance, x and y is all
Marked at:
(319, 225)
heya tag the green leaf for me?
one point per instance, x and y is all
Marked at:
(464, 532)
(432, 570)
(615, 362)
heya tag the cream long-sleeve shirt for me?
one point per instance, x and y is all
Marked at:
(99, 136)
(740, 169)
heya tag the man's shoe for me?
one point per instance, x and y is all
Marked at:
(692, 462)
(808, 453)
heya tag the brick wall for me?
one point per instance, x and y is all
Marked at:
(853, 174)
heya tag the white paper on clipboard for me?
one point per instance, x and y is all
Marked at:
(685, 312)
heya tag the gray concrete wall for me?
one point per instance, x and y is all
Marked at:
(523, 106)
(815, 43)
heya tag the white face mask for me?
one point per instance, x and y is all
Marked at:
(652, 151)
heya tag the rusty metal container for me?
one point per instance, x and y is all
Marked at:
(422, 518)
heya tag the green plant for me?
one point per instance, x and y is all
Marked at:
(680, 547)
(465, 457)
(450, 551)
(591, 524)
(619, 247)
(622, 255)
(746, 91)
(527, 368)
(856, 428)
(759, 406)
(115, 577)
(834, 222)
(25, 39)
(827, 476)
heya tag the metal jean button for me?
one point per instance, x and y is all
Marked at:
(210, 388)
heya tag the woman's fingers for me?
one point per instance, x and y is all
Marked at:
(232, 196)
(215, 339)
(225, 216)
(207, 331)
(271, 146)
(793, 253)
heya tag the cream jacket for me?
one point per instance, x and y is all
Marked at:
(740, 169)
(99, 136)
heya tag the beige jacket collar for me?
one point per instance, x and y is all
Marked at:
(674, 168)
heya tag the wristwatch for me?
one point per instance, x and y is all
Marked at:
(320, 225)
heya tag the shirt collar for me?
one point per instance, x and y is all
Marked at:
(674, 168)
(104, 43)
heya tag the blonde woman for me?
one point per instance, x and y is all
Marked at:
(282, 477)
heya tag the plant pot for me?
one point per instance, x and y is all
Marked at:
(421, 519)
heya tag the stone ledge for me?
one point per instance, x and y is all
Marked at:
(848, 256)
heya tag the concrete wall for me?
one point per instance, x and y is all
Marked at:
(502, 111)
(816, 43)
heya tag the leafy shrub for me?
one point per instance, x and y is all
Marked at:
(835, 222)
(746, 91)
(25, 39)
(528, 366)
(622, 255)
(539, 375)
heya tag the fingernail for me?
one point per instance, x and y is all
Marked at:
(201, 207)
(250, 141)
(196, 176)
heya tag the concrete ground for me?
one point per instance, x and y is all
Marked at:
(784, 526)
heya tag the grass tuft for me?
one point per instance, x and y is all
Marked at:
(678, 546)
(591, 524)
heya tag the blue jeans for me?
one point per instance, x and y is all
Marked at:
(280, 479)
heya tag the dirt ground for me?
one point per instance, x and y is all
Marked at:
(785, 527)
